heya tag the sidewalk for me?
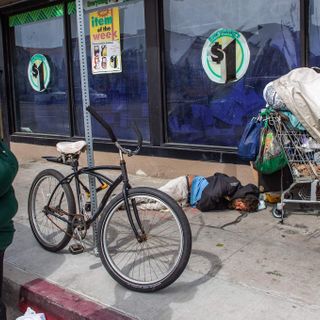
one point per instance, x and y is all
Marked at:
(256, 269)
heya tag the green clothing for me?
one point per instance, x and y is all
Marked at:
(8, 201)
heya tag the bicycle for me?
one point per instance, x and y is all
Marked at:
(143, 235)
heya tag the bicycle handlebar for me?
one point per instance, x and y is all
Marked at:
(112, 136)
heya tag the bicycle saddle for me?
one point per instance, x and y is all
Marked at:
(71, 147)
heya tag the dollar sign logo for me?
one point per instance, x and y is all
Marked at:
(38, 72)
(34, 70)
(217, 53)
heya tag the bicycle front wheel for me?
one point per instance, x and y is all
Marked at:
(159, 259)
(52, 232)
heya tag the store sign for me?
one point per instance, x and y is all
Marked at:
(225, 56)
(93, 4)
(39, 72)
(105, 41)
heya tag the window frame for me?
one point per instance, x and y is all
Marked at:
(9, 43)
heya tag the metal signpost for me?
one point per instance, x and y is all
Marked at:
(85, 104)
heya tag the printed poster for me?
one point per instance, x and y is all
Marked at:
(105, 41)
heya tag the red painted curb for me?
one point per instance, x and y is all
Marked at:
(59, 304)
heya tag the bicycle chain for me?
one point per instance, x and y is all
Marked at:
(75, 216)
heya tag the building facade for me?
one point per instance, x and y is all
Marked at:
(161, 82)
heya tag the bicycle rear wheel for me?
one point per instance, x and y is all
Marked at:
(161, 257)
(53, 233)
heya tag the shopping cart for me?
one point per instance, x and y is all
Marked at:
(303, 156)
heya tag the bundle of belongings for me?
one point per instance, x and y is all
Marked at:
(296, 97)
(216, 192)
(297, 94)
(300, 94)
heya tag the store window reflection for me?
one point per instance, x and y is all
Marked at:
(120, 98)
(200, 111)
(47, 111)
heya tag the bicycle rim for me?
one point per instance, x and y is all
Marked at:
(51, 230)
(150, 262)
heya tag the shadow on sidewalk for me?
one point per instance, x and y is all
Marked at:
(202, 267)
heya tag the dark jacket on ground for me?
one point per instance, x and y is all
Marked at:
(8, 202)
(221, 189)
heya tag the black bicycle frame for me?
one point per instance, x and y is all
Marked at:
(112, 184)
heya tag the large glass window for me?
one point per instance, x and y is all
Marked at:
(120, 98)
(200, 111)
(40, 32)
(314, 33)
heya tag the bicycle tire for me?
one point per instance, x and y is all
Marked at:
(55, 239)
(112, 241)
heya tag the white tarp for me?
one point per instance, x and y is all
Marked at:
(300, 91)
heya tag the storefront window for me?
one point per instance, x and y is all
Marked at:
(120, 97)
(314, 34)
(41, 87)
(200, 111)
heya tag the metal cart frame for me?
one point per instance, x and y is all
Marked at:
(303, 157)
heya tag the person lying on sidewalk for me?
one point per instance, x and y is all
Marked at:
(216, 192)
(220, 192)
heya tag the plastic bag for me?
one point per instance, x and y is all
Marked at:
(309, 144)
(248, 148)
(294, 122)
(32, 315)
(272, 98)
(271, 156)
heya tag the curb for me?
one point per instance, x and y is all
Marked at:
(55, 302)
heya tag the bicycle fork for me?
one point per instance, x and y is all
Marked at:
(140, 234)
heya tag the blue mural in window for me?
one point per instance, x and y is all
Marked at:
(200, 111)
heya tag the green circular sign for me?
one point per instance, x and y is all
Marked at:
(39, 72)
(225, 56)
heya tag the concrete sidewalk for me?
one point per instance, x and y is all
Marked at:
(256, 269)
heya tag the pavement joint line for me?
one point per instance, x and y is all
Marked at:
(275, 294)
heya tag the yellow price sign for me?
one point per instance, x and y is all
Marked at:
(104, 25)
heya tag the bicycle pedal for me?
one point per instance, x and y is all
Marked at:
(76, 248)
